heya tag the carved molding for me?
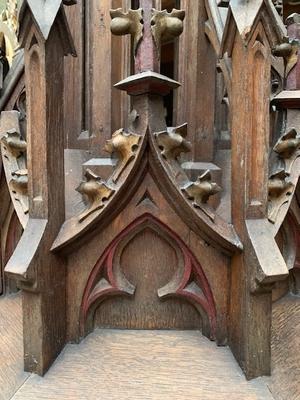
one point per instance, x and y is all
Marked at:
(106, 280)
(280, 190)
(129, 23)
(166, 26)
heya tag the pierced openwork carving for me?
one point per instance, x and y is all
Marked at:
(287, 148)
(125, 146)
(96, 192)
(280, 189)
(129, 23)
(188, 283)
(172, 142)
(166, 26)
(201, 190)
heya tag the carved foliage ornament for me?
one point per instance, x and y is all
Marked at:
(201, 190)
(127, 23)
(287, 148)
(172, 142)
(14, 158)
(280, 190)
(289, 51)
(125, 146)
(95, 191)
(166, 26)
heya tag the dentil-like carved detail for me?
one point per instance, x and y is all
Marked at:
(279, 191)
(96, 192)
(287, 148)
(125, 146)
(14, 143)
(172, 142)
(166, 26)
(201, 190)
(129, 23)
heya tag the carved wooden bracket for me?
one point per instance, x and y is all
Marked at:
(96, 191)
(279, 192)
(125, 146)
(201, 190)
(129, 23)
(166, 26)
(172, 142)
(287, 148)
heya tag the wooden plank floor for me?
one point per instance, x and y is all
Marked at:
(149, 365)
(285, 380)
(11, 346)
(144, 365)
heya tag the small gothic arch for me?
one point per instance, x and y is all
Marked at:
(189, 282)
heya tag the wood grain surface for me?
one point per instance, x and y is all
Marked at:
(144, 365)
(12, 375)
(114, 364)
(285, 380)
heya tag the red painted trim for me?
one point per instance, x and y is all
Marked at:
(191, 265)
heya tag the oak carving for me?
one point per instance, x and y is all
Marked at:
(166, 26)
(172, 142)
(125, 146)
(129, 23)
(280, 189)
(287, 147)
(96, 193)
(201, 190)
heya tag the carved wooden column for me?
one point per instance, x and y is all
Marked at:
(44, 34)
(251, 30)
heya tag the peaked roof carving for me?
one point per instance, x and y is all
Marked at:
(246, 14)
(44, 13)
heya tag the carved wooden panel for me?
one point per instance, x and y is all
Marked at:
(149, 264)
(149, 268)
